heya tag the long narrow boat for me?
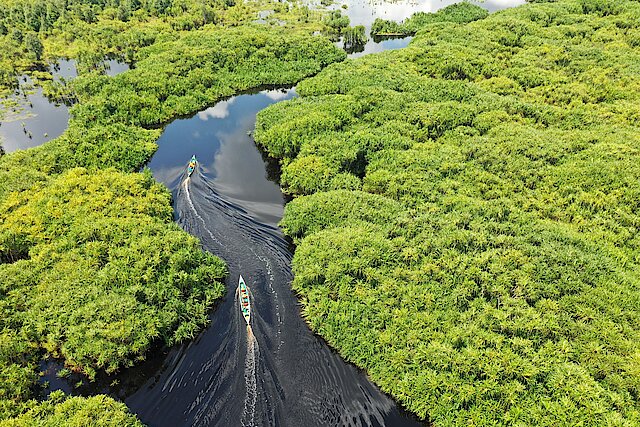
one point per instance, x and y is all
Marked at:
(245, 304)
(192, 165)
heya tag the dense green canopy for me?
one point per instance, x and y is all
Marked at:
(35, 32)
(94, 272)
(97, 411)
(110, 126)
(468, 212)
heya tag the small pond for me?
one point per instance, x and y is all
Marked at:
(35, 119)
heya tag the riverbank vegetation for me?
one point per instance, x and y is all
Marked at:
(61, 410)
(93, 270)
(466, 214)
(458, 12)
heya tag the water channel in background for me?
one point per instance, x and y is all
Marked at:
(364, 12)
(38, 119)
(279, 373)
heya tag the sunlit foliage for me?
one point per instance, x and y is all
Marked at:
(94, 271)
(354, 36)
(184, 75)
(490, 275)
(95, 266)
(108, 127)
(33, 32)
(58, 410)
(336, 21)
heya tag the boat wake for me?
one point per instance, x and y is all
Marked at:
(277, 373)
(195, 211)
(250, 378)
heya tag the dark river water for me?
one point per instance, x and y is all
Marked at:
(278, 373)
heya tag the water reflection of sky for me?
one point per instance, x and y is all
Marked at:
(68, 68)
(40, 121)
(220, 138)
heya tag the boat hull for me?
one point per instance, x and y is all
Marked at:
(245, 303)
(192, 166)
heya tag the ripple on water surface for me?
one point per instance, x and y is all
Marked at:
(277, 372)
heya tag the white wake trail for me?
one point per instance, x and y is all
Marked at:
(195, 211)
(250, 378)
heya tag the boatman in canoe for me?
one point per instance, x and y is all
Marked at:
(245, 305)
(192, 165)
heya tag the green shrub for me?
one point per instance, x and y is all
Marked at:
(107, 272)
(57, 410)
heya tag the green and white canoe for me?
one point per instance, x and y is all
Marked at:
(245, 304)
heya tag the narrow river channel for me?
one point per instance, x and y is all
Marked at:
(280, 374)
